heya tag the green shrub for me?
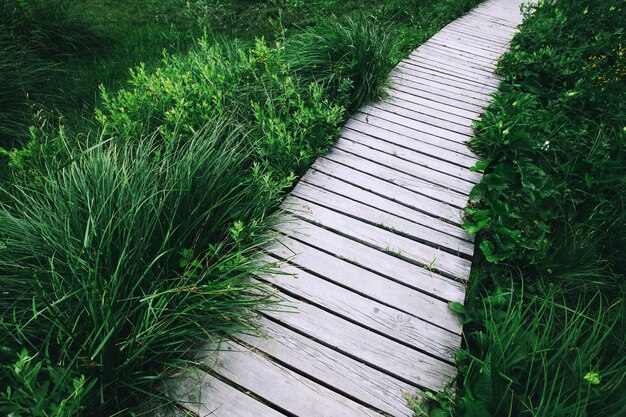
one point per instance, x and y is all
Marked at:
(545, 305)
(127, 256)
(289, 122)
(554, 139)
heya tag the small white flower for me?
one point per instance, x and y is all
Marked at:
(545, 146)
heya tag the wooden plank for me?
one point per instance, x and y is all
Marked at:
(421, 142)
(459, 65)
(349, 182)
(463, 45)
(447, 71)
(428, 96)
(483, 26)
(375, 216)
(415, 85)
(478, 33)
(418, 73)
(344, 374)
(381, 239)
(422, 114)
(462, 58)
(364, 282)
(452, 140)
(454, 91)
(438, 200)
(444, 138)
(503, 21)
(393, 268)
(406, 167)
(433, 102)
(458, 55)
(395, 359)
(423, 119)
(458, 72)
(413, 72)
(390, 191)
(360, 177)
(424, 160)
(475, 38)
(206, 395)
(384, 320)
(278, 385)
(452, 65)
(351, 185)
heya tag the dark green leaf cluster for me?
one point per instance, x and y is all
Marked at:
(545, 309)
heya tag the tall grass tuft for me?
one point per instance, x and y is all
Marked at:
(545, 355)
(125, 258)
(352, 55)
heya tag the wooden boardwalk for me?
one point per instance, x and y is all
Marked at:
(376, 250)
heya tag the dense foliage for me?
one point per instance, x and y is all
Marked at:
(545, 311)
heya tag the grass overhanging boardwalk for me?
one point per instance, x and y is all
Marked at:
(375, 248)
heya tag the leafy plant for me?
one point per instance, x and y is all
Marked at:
(544, 312)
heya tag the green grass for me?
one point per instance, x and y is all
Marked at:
(545, 307)
(126, 258)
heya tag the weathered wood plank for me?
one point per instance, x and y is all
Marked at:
(461, 34)
(206, 395)
(370, 348)
(432, 67)
(416, 115)
(474, 49)
(280, 386)
(428, 57)
(482, 25)
(439, 199)
(375, 216)
(420, 142)
(426, 100)
(418, 74)
(365, 282)
(428, 96)
(401, 247)
(465, 59)
(450, 140)
(475, 77)
(458, 55)
(355, 191)
(478, 34)
(387, 321)
(421, 84)
(390, 191)
(425, 160)
(392, 267)
(406, 167)
(344, 374)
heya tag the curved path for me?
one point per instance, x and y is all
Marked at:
(375, 248)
